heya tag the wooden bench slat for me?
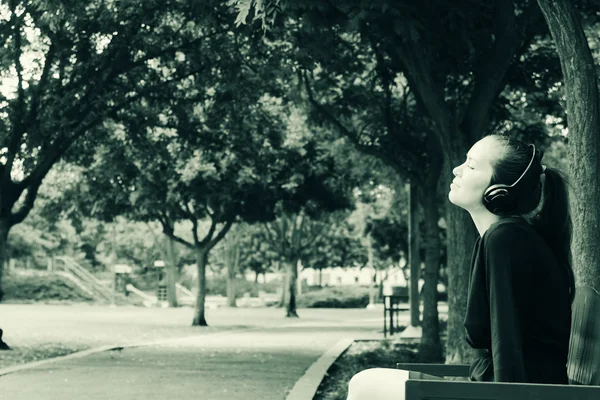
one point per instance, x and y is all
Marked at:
(584, 348)
(451, 390)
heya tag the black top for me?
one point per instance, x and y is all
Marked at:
(518, 308)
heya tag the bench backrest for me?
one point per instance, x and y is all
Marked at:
(584, 348)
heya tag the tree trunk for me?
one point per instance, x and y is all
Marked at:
(461, 236)
(583, 112)
(4, 229)
(231, 275)
(299, 268)
(285, 283)
(292, 267)
(371, 270)
(171, 273)
(431, 346)
(413, 255)
(232, 260)
(201, 260)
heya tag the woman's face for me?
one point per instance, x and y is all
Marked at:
(473, 177)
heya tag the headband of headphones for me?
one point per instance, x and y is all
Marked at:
(501, 198)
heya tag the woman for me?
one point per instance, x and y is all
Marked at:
(521, 285)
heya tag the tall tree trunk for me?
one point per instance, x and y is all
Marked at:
(171, 273)
(371, 270)
(431, 346)
(583, 115)
(461, 236)
(299, 268)
(285, 284)
(232, 261)
(292, 267)
(413, 254)
(231, 275)
(201, 260)
(583, 111)
(4, 229)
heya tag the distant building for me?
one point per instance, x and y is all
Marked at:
(351, 276)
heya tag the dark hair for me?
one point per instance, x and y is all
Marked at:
(547, 212)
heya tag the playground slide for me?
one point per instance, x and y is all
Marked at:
(184, 290)
(149, 300)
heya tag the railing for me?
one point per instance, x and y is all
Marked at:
(86, 278)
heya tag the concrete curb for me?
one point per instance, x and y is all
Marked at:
(306, 387)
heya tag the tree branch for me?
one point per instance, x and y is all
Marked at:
(18, 114)
(353, 137)
(410, 54)
(492, 72)
(296, 234)
(270, 237)
(314, 235)
(384, 76)
(195, 230)
(18, 216)
(178, 239)
(221, 233)
(41, 86)
(211, 230)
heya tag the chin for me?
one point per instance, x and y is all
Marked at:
(451, 197)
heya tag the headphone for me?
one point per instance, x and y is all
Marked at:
(500, 198)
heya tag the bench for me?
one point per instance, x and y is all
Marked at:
(583, 367)
(392, 305)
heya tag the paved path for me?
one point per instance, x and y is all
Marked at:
(260, 359)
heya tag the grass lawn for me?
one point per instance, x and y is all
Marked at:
(24, 354)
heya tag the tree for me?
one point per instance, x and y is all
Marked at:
(455, 58)
(84, 56)
(294, 237)
(219, 148)
(583, 109)
(230, 255)
(337, 246)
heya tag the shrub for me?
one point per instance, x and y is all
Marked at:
(335, 297)
(41, 288)
(217, 286)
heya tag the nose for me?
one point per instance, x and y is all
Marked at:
(457, 170)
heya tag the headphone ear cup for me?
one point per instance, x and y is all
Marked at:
(497, 199)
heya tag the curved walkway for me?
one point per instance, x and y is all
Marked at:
(278, 361)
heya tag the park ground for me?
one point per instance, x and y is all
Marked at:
(244, 353)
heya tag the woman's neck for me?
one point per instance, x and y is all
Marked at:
(483, 220)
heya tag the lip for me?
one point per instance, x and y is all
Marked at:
(454, 184)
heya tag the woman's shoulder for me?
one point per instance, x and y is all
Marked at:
(509, 230)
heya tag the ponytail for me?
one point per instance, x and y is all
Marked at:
(553, 222)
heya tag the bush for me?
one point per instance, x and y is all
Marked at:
(217, 286)
(335, 297)
(41, 288)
